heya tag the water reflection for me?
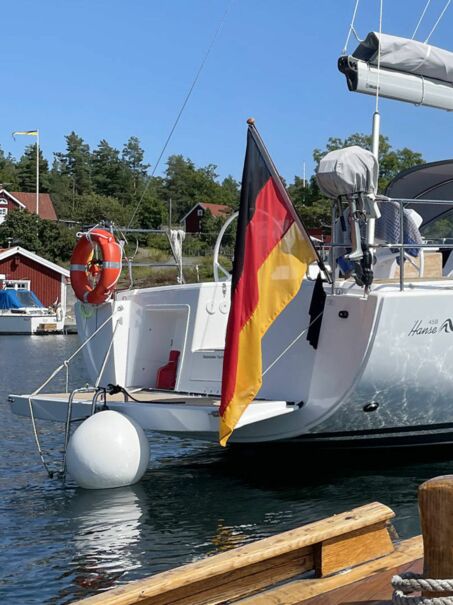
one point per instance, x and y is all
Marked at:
(106, 528)
(196, 499)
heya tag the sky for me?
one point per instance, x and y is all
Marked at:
(114, 69)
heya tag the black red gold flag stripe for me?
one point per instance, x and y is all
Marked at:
(271, 257)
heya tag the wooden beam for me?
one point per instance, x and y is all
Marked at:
(301, 591)
(352, 549)
(245, 569)
(238, 583)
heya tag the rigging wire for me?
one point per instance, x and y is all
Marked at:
(447, 4)
(381, 7)
(183, 106)
(428, 2)
(351, 29)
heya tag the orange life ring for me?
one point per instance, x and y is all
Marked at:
(83, 265)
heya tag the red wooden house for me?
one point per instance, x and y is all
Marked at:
(192, 220)
(18, 200)
(21, 268)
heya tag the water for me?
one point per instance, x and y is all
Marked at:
(61, 543)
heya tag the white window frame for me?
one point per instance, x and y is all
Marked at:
(17, 284)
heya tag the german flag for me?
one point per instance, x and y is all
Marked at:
(271, 257)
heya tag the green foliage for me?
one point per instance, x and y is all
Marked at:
(187, 185)
(313, 209)
(135, 173)
(107, 171)
(8, 171)
(106, 184)
(47, 238)
(26, 170)
(439, 229)
(93, 208)
(75, 164)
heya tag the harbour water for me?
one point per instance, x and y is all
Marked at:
(59, 543)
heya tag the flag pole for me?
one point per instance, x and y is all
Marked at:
(37, 171)
(32, 133)
(278, 181)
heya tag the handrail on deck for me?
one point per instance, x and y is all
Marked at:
(401, 246)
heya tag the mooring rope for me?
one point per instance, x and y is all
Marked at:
(406, 584)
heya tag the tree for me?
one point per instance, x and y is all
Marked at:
(107, 171)
(93, 208)
(75, 164)
(152, 213)
(186, 185)
(8, 171)
(132, 157)
(230, 192)
(26, 170)
(46, 238)
(313, 209)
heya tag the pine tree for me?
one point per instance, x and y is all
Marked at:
(8, 171)
(75, 164)
(187, 185)
(26, 170)
(132, 157)
(108, 171)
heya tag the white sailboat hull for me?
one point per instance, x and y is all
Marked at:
(381, 373)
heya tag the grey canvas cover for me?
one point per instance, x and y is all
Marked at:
(409, 56)
(347, 171)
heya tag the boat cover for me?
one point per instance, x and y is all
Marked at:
(347, 171)
(408, 56)
(18, 299)
(433, 181)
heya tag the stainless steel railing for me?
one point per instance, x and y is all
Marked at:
(443, 242)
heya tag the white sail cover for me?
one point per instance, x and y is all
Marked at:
(347, 171)
(409, 56)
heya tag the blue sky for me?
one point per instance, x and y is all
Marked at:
(112, 69)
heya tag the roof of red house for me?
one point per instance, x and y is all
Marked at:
(7, 252)
(46, 209)
(216, 209)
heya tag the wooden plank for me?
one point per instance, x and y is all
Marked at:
(238, 583)
(301, 591)
(215, 569)
(374, 590)
(352, 549)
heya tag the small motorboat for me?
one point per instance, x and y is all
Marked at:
(21, 312)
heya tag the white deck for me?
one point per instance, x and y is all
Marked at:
(154, 410)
